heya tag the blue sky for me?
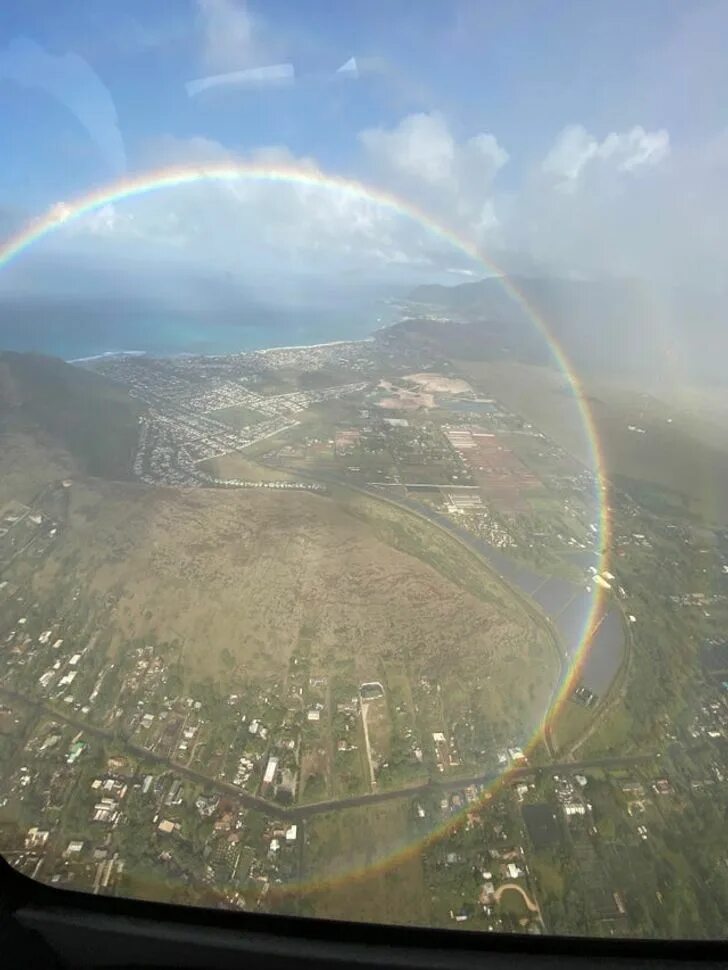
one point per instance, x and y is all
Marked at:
(552, 134)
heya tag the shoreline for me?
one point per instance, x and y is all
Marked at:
(326, 343)
(105, 354)
(110, 354)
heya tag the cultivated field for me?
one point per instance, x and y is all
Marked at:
(666, 445)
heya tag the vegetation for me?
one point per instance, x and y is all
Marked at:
(96, 421)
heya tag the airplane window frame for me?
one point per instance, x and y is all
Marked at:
(79, 928)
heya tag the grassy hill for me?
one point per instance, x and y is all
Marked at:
(95, 421)
(243, 579)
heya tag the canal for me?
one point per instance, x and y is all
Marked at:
(566, 603)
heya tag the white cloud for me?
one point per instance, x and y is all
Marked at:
(487, 147)
(576, 149)
(420, 146)
(629, 203)
(453, 180)
(246, 227)
(637, 148)
(573, 149)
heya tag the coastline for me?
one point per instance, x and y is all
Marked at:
(326, 343)
(110, 354)
(107, 353)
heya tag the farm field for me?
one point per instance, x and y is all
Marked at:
(666, 446)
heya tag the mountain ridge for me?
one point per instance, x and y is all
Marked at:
(608, 326)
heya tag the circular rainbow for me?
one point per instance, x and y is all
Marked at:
(172, 177)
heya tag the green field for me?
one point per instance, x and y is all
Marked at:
(346, 870)
(237, 466)
(238, 416)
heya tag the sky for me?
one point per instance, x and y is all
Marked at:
(559, 138)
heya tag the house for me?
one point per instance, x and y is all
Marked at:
(35, 838)
(487, 892)
(270, 771)
(206, 805)
(106, 810)
(75, 753)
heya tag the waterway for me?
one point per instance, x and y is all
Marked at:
(567, 604)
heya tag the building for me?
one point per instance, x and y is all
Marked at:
(35, 838)
(270, 771)
(74, 754)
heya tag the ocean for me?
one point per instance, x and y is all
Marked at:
(83, 332)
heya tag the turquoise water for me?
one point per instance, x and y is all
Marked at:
(72, 337)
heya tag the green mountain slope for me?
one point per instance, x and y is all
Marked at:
(87, 415)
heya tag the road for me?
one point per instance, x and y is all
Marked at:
(372, 774)
(298, 812)
(250, 801)
(435, 785)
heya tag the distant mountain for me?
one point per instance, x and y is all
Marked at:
(91, 418)
(614, 326)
